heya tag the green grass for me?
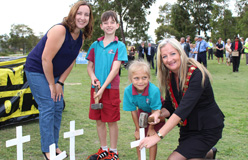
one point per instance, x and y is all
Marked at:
(231, 94)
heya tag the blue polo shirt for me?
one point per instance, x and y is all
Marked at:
(203, 45)
(149, 100)
(103, 58)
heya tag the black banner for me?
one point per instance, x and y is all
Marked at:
(16, 101)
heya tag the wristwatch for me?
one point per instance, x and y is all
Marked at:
(160, 136)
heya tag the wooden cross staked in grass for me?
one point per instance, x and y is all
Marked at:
(136, 144)
(72, 135)
(18, 141)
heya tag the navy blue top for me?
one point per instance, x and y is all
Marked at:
(62, 60)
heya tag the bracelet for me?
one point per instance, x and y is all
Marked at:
(160, 136)
(62, 84)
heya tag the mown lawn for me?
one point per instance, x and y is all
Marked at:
(231, 93)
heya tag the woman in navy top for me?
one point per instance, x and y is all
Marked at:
(48, 65)
(189, 103)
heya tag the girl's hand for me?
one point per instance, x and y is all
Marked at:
(59, 92)
(136, 134)
(155, 115)
(53, 91)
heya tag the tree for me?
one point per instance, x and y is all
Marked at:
(200, 12)
(222, 23)
(243, 17)
(174, 21)
(22, 38)
(4, 42)
(180, 21)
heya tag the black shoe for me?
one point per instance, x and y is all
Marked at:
(45, 157)
(214, 152)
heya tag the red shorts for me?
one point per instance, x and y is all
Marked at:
(156, 127)
(111, 106)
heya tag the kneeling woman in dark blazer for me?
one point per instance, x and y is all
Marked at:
(189, 103)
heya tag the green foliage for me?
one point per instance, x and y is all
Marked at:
(243, 21)
(222, 23)
(21, 38)
(200, 12)
(230, 93)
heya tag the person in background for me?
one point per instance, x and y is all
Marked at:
(49, 64)
(210, 49)
(189, 103)
(219, 50)
(150, 52)
(142, 97)
(188, 39)
(195, 49)
(104, 60)
(142, 50)
(228, 52)
(246, 50)
(202, 48)
(131, 55)
(243, 49)
(236, 46)
(185, 46)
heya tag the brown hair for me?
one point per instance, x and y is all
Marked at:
(69, 21)
(106, 15)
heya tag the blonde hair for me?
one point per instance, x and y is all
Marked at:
(136, 66)
(163, 74)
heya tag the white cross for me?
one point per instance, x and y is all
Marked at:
(18, 141)
(52, 150)
(136, 144)
(72, 135)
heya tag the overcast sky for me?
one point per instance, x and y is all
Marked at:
(41, 15)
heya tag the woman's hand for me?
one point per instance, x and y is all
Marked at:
(148, 142)
(59, 92)
(53, 91)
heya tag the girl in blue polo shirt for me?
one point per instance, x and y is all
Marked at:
(143, 95)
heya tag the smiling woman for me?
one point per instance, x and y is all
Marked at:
(189, 103)
(49, 64)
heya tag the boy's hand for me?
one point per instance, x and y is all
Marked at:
(99, 93)
(136, 134)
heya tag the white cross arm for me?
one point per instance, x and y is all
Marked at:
(135, 144)
(15, 141)
(73, 133)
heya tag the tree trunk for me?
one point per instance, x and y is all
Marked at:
(122, 30)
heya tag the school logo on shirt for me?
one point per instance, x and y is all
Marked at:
(111, 51)
(147, 101)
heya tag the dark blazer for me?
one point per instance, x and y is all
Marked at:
(198, 105)
(152, 51)
(187, 48)
(140, 51)
(239, 46)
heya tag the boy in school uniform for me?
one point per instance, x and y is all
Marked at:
(104, 60)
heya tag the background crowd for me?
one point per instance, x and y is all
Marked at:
(201, 50)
